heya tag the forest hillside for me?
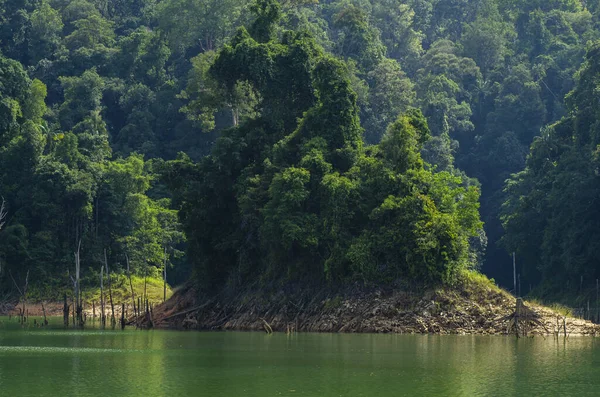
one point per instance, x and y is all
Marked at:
(336, 141)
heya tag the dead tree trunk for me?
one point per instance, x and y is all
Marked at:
(149, 322)
(523, 318)
(23, 294)
(44, 313)
(518, 311)
(122, 316)
(145, 282)
(97, 218)
(130, 283)
(102, 316)
(113, 321)
(77, 288)
(65, 311)
(3, 213)
(112, 306)
(165, 277)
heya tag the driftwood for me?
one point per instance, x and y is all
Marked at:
(267, 326)
(188, 311)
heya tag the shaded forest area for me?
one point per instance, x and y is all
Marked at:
(348, 140)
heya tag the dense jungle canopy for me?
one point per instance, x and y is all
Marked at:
(236, 141)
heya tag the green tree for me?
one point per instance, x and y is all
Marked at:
(45, 34)
(357, 38)
(550, 216)
(204, 23)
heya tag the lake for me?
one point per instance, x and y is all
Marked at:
(58, 362)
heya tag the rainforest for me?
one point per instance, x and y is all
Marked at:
(274, 144)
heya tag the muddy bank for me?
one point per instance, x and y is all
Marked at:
(34, 309)
(468, 308)
(55, 309)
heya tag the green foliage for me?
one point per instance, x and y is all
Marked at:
(121, 290)
(391, 93)
(358, 39)
(62, 188)
(550, 216)
(298, 103)
(46, 30)
(203, 23)
(301, 198)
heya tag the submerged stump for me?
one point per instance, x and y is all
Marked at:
(522, 320)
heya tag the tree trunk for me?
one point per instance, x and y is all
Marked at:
(145, 282)
(22, 293)
(122, 316)
(97, 217)
(77, 287)
(130, 283)
(65, 311)
(3, 213)
(113, 321)
(44, 313)
(25, 296)
(112, 306)
(165, 277)
(102, 317)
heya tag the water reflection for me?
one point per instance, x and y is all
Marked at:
(157, 363)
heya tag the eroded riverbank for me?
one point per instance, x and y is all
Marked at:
(470, 307)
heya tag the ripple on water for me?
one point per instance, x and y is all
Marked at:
(68, 350)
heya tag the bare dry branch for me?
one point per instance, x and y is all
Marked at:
(3, 212)
(16, 285)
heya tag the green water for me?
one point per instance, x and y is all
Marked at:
(56, 362)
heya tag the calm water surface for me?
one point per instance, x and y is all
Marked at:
(57, 362)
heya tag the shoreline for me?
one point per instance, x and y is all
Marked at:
(470, 308)
(54, 309)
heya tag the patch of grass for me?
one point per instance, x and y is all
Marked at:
(555, 307)
(564, 310)
(333, 303)
(122, 292)
(534, 302)
(474, 280)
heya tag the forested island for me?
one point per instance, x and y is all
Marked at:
(263, 153)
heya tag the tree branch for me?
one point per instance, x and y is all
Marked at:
(17, 285)
(3, 213)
